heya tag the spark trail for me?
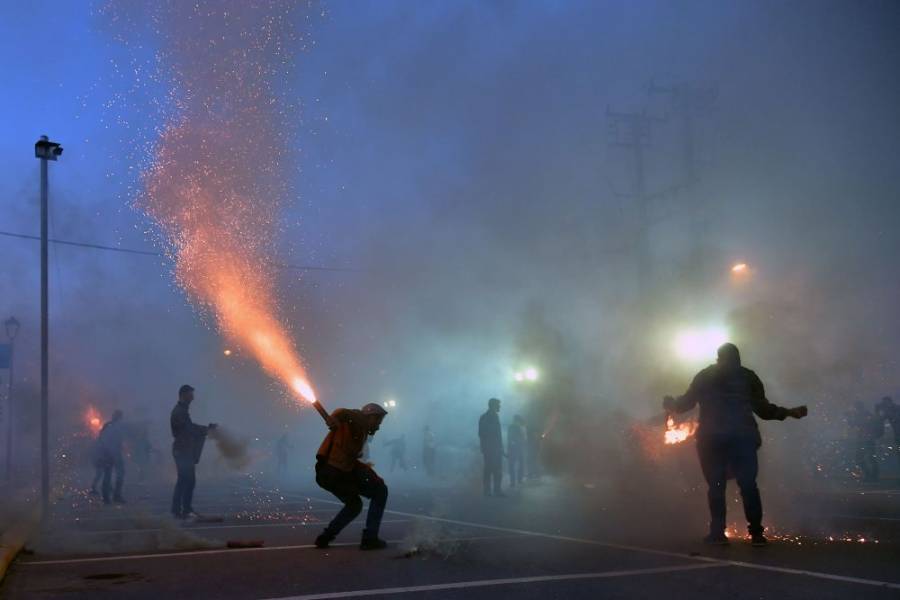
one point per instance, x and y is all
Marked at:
(216, 180)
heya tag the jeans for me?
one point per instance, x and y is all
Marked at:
(493, 472)
(182, 499)
(117, 465)
(348, 487)
(720, 456)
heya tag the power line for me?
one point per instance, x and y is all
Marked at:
(159, 254)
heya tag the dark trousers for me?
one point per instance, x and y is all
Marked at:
(183, 498)
(117, 465)
(348, 487)
(737, 456)
(98, 476)
(493, 472)
(516, 466)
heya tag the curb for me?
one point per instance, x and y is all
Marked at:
(13, 539)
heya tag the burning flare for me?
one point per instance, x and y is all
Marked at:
(93, 420)
(675, 434)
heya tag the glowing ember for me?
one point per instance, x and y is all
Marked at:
(93, 420)
(675, 434)
(217, 178)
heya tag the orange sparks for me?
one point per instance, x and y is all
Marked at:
(217, 178)
(93, 420)
(675, 434)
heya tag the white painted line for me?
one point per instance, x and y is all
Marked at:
(859, 518)
(162, 515)
(706, 559)
(494, 582)
(201, 552)
(204, 527)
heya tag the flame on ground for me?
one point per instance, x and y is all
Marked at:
(675, 434)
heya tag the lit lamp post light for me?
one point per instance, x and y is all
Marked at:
(698, 345)
(527, 375)
(390, 403)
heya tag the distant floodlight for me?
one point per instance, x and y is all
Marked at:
(519, 376)
(739, 268)
(697, 345)
(392, 403)
(227, 352)
(531, 374)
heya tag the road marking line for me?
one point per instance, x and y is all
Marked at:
(205, 527)
(202, 552)
(707, 559)
(164, 514)
(494, 582)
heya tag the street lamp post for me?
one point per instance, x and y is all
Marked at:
(12, 330)
(45, 150)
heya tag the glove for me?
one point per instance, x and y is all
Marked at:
(798, 412)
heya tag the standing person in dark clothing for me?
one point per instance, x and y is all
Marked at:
(187, 446)
(515, 450)
(491, 438)
(339, 471)
(398, 452)
(429, 449)
(865, 429)
(110, 458)
(728, 436)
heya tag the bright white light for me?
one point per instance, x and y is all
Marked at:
(699, 345)
(392, 403)
(304, 389)
(531, 374)
(519, 376)
(739, 268)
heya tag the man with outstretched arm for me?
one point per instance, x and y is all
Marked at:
(728, 436)
(339, 471)
(187, 446)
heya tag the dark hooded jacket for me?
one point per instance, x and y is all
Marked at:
(729, 396)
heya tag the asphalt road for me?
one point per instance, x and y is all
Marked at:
(539, 543)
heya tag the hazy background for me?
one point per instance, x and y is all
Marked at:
(455, 158)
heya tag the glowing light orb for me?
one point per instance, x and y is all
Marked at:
(739, 268)
(699, 345)
(519, 376)
(531, 374)
(227, 352)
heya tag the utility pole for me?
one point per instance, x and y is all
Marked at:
(690, 101)
(45, 150)
(631, 131)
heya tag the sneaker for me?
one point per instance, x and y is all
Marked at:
(716, 539)
(324, 540)
(758, 540)
(372, 543)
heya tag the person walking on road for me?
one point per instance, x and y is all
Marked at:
(110, 458)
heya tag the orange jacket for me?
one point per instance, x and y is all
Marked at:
(342, 447)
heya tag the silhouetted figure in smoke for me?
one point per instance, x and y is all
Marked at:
(398, 452)
(429, 449)
(515, 450)
(339, 471)
(109, 443)
(491, 438)
(281, 453)
(728, 436)
(865, 429)
(889, 412)
(187, 447)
